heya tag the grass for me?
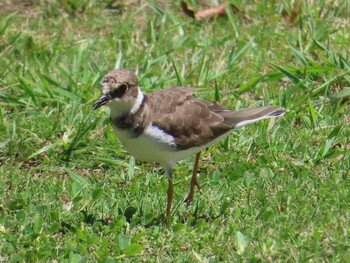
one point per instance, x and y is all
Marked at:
(273, 191)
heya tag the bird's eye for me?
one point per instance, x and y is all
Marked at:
(120, 91)
(123, 88)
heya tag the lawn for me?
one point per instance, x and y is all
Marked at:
(276, 190)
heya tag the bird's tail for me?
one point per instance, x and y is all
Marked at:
(243, 117)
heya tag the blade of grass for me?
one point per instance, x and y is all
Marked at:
(179, 77)
(76, 177)
(233, 20)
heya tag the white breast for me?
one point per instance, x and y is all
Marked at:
(154, 145)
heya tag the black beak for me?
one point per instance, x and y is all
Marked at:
(101, 101)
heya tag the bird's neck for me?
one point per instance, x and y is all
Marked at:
(135, 120)
(123, 108)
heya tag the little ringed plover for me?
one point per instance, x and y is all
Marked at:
(169, 125)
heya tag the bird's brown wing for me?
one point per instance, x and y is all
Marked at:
(192, 121)
(195, 122)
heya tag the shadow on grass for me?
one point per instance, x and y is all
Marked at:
(146, 220)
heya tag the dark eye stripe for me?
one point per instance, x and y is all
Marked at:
(120, 91)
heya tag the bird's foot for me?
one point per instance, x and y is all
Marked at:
(189, 199)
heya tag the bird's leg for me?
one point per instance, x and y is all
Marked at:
(194, 175)
(194, 181)
(169, 170)
(170, 196)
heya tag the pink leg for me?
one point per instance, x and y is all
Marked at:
(194, 181)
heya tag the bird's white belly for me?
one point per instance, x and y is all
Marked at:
(152, 146)
(142, 147)
(156, 146)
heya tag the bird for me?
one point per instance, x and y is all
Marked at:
(169, 125)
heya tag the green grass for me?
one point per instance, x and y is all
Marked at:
(273, 191)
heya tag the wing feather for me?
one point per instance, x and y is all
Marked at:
(195, 122)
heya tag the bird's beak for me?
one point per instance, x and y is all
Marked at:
(101, 101)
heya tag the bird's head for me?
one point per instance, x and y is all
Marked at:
(120, 92)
